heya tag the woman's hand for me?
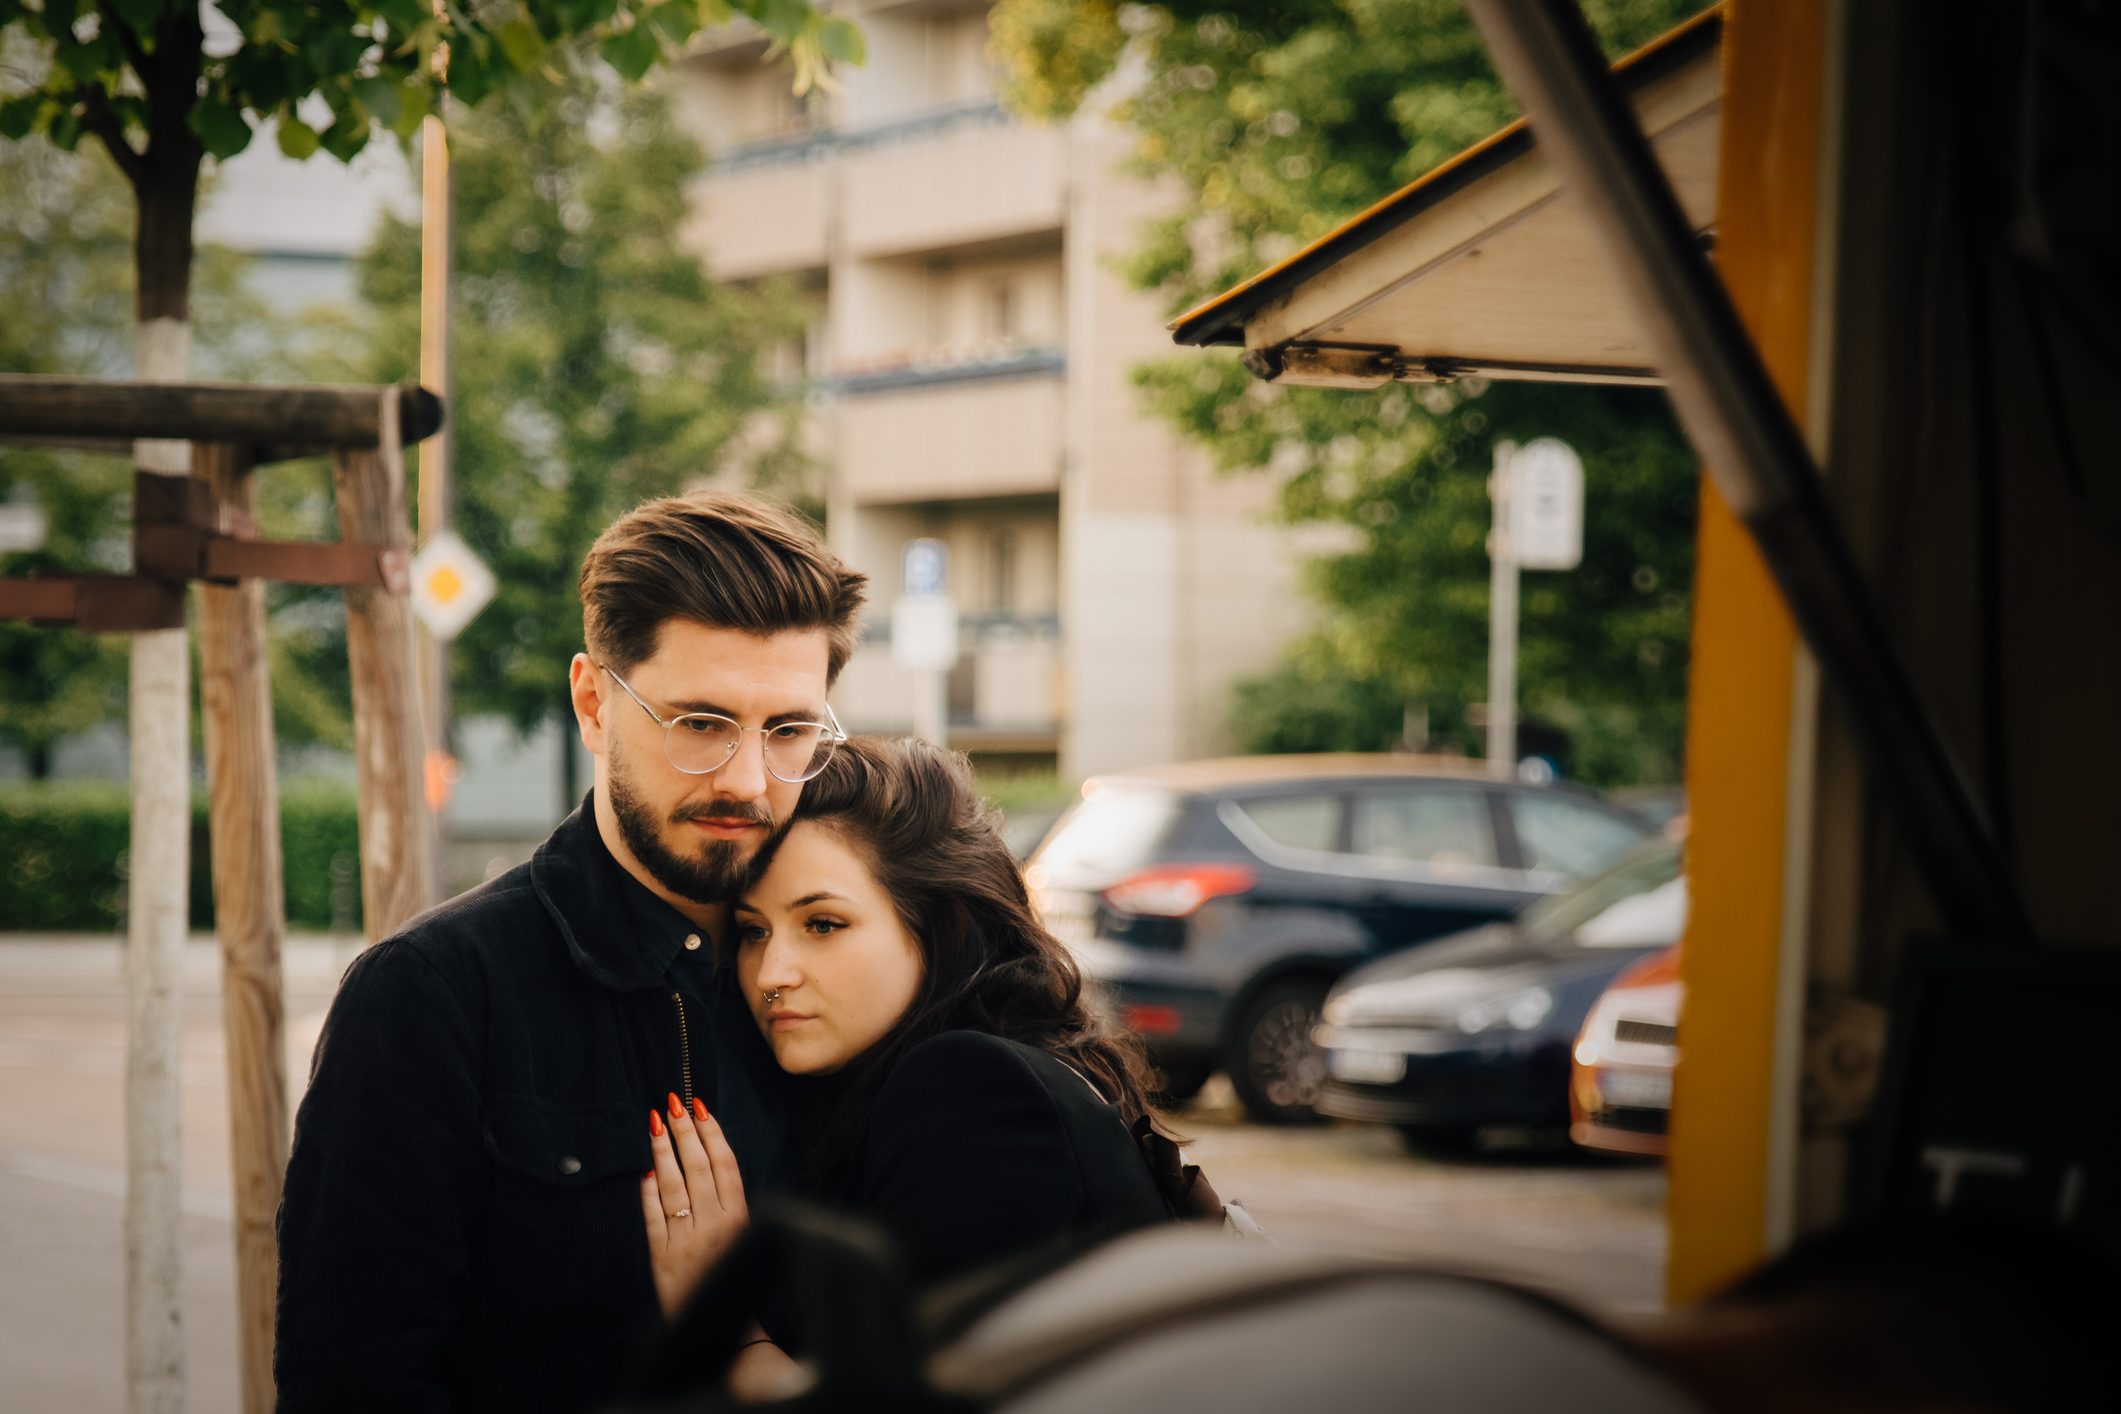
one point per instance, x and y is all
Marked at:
(693, 1200)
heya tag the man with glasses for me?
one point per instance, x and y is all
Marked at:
(461, 1227)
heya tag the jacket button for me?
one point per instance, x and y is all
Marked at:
(692, 942)
(570, 1165)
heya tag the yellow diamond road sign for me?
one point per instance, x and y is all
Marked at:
(450, 585)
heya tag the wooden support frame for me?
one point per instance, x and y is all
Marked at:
(397, 840)
(203, 529)
(250, 917)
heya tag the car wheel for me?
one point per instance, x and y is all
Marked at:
(1276, 1068)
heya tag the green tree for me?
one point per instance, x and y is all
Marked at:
(596, 362)
(1278, 121)
(330, 75)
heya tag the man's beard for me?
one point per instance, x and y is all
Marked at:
(720, 871)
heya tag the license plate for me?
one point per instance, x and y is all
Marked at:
(1366, 1067)
(1637, 1089)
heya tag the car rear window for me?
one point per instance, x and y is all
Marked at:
(1564, 836)
(1441, 828)
(1297, 821)
(1109, 833)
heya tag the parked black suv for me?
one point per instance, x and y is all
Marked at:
(1215, 902)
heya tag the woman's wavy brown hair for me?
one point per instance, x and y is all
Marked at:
(911, 811)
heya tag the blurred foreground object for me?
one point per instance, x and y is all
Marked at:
(1982, 1319)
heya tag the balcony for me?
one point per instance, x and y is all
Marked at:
(764, 217)
(975, 430)
(957, 179)
(1005, 693)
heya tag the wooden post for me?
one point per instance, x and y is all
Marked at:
(250, 917)
(397, 833)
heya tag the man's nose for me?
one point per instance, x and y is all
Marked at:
(744, 774)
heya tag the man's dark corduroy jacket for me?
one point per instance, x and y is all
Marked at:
(461, 1227)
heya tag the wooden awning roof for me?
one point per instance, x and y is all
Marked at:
(1483, 266)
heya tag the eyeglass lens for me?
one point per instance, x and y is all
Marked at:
(700, 742)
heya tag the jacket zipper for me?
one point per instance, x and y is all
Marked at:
(684, 1051)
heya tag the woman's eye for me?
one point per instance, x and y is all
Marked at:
(824, 925)
(749, 933)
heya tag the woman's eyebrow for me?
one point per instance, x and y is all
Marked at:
(807, 899)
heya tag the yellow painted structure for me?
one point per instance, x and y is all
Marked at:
(1744, 677)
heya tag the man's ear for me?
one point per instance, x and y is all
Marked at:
(585, 688)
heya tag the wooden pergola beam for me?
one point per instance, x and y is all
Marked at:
(34, 408)
(260, 453)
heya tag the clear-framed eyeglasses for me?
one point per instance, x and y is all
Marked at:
(700, 743)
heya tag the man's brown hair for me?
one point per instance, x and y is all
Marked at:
(718, 558)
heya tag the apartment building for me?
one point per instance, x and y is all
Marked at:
(971, 359)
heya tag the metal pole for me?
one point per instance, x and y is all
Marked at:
(931, 706)
(1750, 446)
(1502, 623)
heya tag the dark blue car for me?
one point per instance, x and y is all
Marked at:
(1215, 902)
(1475, 1031)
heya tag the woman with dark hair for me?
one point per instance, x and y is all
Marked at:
(951, 1083)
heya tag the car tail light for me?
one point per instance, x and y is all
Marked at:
(1177, 890)
(1150, 1020)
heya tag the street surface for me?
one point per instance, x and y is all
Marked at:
(1586, 1230)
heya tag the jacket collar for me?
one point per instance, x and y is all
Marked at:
(618, 932)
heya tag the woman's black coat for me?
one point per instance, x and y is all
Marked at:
(978, 1150)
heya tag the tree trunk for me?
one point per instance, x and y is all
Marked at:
(165, 187)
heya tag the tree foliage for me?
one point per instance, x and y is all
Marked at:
(596, 364)
(1278, 119)
(329, 75)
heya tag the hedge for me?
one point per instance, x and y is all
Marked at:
(63, 847)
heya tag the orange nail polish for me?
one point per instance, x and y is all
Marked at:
(699, 1110)
(655, 1124)
(676, 1109)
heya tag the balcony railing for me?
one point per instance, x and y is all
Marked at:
(789, 149)
(951, 434)
(763, 221)
(948, 177)
(958, 186)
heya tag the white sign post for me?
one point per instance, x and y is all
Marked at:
(1537, 493)
(924, 635)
